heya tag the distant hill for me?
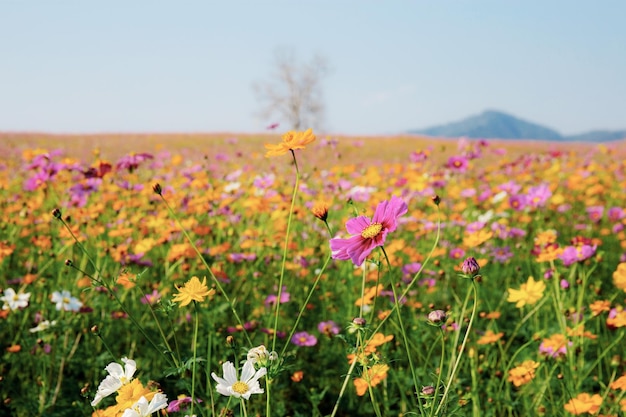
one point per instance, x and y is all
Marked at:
(493, 124)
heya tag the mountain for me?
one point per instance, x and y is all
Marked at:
(493, 124)
(598, 136)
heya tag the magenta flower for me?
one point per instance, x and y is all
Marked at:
(329, 328)
(573, 254)
(368, 234)
(595, 213)
(457, 163)
(538, 196)
(131, 161)
(304, 339)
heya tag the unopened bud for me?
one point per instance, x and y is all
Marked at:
(436, 199)
(359, 321)
(470, 266)
(437, 316)
(56, 213)
(157, 189)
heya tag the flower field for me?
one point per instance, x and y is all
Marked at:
(301, 275)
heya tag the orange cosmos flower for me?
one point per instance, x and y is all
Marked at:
(371, 377)
(597, 307)
(320, 210)
(523, 373)
(291, 141)
(584, 403)
(490, 337)
(619, 383)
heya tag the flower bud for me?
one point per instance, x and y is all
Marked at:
(359, 321)
(428, 390)
(470, 266)
(437, 316)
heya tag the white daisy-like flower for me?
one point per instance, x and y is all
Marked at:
(117, 377)
(260, 356)
(64, 301)
(14, 301)
(144, 409)
(244, 387)
(43, 325)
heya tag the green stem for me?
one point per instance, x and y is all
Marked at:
(347, 378)
(405, 340)
(458, 359)
(195, 350)
(443, 349)
(285, 248)
(306, 302)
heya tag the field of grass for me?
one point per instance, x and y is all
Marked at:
(482, 278)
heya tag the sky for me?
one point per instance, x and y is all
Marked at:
(189, 66)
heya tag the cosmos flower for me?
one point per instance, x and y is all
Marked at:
(304, 339)
(117, 377)
(457, 163)
(368, 234)
(584, 403)
(291, 141)
(143, 408)
(370, 378)
(193, 290)
(619, 276)
(573, 254)
(555, 345)
(131, 161)
(523, 373)
(329, 328)
(490, 337)
(64, 301)
(239, 388)
(529, 293)
(43, 325)
(14, 301)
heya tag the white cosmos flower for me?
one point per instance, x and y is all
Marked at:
(244, 387)
(13, 300)
(43, 325)
(64, 301)
(117, 377)
(144, 409)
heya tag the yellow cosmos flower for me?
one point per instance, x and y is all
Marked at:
(523, 373)
(619, 276)
(291, 141)
(193, 290)
(528, 293)
(584, 403)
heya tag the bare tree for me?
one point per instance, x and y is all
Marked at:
(293, 92)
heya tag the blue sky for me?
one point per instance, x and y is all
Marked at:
(188, 66)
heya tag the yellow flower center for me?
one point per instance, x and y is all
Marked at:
(240, 387)
(372, 230)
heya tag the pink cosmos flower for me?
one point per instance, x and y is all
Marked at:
(368, 234)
